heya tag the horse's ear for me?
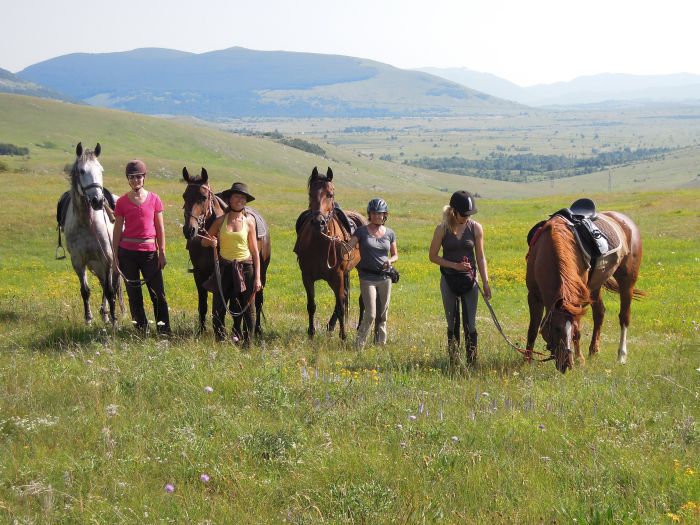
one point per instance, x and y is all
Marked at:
(314, 172)
(98, 150)
(185, 175)
(205, 175)
(79, 149)
(329, 174)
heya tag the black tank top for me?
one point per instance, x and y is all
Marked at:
(454, 249)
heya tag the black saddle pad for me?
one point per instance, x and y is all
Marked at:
(64, 202)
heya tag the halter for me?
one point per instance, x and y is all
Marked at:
(209, 209)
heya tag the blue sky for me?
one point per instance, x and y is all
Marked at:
(527, 42)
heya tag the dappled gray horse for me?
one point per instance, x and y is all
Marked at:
(89, 231)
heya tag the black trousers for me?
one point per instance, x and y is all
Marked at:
(238, 303)
(133, 264)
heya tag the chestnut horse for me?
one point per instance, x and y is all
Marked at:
(202, 206)
(559, 286)
(322, 248)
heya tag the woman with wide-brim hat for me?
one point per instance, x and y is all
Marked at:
(234, 233)
(462, 241)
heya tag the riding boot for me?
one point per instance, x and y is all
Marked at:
(472, 341)
(453, 351)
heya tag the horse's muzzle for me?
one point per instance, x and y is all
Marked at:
(97, 203)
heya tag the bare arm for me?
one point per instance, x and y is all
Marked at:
(213, 233)
(160, 239)
(435, 249)
(393, 254)
(255, 254)
(481, 259)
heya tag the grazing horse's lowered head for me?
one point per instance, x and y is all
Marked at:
(86, 176)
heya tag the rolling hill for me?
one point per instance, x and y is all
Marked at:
(240, 82)
(11, 83)
(625, 90)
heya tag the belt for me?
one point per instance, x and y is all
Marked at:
(139, 241)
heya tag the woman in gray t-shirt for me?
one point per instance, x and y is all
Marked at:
(377, 251)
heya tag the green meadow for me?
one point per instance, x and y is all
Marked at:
(100, 426)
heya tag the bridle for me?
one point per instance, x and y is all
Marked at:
(208, 211)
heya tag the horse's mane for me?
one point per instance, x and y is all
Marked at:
(573, 290)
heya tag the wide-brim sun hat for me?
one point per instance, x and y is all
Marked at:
(463, 202)
(237, 187)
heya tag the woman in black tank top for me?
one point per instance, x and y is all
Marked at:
(462, 241)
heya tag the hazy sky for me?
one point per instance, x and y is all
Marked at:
(525, 41)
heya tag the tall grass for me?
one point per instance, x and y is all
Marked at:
(99, 425)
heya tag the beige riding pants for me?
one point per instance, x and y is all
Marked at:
(376, 296)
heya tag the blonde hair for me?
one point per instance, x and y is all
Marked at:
(449, 220)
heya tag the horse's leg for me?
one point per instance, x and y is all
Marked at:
(598, 317)
(576, 338)
(202, 306)
(108, 289)
(84, 291)
(310, 303)
(340, 302)
(259, 300)
(626, 291)
(536, 311)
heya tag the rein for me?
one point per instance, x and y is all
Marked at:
(528, 354)
(334, 240)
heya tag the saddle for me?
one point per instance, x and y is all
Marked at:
(337, 211)
(260, 224)
(64, 202)
(596, 236)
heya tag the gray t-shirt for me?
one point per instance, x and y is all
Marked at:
(374, 252)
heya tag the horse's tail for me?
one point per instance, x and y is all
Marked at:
(611, 285)
(119, 294)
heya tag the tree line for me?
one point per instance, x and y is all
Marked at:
(521, 167)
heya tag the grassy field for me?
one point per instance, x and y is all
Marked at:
(98, 426)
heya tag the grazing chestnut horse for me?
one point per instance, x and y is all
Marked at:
(322, 248)
(202, 207)
(559, 285)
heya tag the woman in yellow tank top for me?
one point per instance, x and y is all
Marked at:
(235, 235)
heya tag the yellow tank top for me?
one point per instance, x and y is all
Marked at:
(234, 245)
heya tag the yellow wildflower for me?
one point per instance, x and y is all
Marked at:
(691, 505)
(674, 517)
(689, 472)
(676, 464)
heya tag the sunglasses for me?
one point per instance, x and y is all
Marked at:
(463, 213)
(135, 176)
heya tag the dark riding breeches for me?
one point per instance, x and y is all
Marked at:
(133, 264)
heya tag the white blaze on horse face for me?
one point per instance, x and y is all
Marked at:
(569, 336)
(91, 173)
(622, 350)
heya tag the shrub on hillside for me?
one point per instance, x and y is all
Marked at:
(11, 149)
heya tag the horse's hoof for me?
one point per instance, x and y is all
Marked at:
(622, 359)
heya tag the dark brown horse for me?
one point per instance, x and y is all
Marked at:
(323, 232)
(559, 285)
(202, 206)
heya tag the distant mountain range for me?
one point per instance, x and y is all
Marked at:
(10, 83)
(589, 90)
(240, 82)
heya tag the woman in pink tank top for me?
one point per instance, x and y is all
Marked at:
(139, 248)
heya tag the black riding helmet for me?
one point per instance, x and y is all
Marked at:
(377, 206)
(463, 202)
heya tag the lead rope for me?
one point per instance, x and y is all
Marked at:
(528, 354)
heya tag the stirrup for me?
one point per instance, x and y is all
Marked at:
(62, 256)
